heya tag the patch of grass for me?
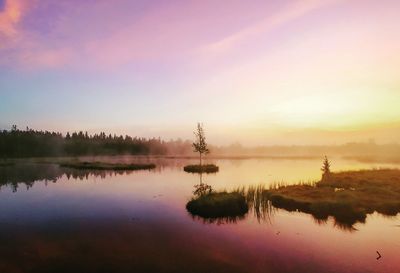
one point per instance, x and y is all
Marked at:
(107, 166)
(346, 196)
(218, 204)
(258, 202)
(209, 168)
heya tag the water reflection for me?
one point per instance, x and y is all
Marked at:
(221, 220)
(29, 174)
(258, 202)
(201, 188)
(261, 205)
(264, 208)
(137, 222)
(343, 215)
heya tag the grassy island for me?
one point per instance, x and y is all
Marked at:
(218, 205)
(107, 166)
(209, 168)
(347, 196)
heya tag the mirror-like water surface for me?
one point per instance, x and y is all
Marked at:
(61, 220)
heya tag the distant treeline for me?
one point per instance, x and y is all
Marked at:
(31, 143)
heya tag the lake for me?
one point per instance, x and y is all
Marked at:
(55, 219)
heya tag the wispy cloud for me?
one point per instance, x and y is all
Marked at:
(157, 33)
(288, 13)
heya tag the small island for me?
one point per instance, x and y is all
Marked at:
(218, 205)
(107, 166)
(200, 146)
(209, 168)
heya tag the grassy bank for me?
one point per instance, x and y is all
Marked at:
(347, 196)
(209, 168)
(218, 204)
(107, 166)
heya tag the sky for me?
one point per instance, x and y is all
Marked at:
(255, 72)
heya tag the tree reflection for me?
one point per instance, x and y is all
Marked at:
(28, 174)
(202, 188)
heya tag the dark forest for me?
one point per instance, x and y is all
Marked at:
(31, 143)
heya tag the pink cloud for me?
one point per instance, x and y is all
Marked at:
(159, 33)
(105, 36)
(287, 14)
(162, 33)
(10, 16)
(23, 48)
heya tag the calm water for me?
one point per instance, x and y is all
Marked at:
(59, 220)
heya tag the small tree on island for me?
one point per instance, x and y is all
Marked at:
(200, 145)
(326, 169)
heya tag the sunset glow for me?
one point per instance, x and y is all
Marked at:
(265, 72)
(199, 136)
